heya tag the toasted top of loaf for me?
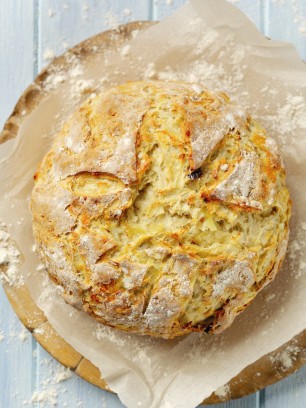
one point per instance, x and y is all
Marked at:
(161, 209)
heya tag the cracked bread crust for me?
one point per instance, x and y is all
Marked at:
(161, 209)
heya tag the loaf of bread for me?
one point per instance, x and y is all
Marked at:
(161, 209)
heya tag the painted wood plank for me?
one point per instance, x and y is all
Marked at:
(17, 375)
(63, 24)
(288, 23)
(290, 392)
(66, 389)
(17, 50)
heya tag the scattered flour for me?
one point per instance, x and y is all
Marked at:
(49, 54)
(49, 390)
(23, 335)
(45, 396)
(223, 392)
(126, 12)
(150, 71)
(286, 358)
(62, 375)
(302, 27)
(10, 259)
(125, 50)
(111, 20)
(39, 330)
(51, 12)
(74, 76)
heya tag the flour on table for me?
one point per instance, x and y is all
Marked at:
(45, 396)
(49, 390)
(49, 54)
(111, 20)
(62, 375)
(127, 12)
(23, 335)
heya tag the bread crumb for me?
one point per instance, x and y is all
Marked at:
(224, 167)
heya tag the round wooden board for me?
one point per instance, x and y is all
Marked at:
(265, 371)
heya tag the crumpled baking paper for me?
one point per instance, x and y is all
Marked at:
(213, 43)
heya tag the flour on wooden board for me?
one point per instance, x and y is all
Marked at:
(223, 391)
(286, 358)
(10, 259)
(49, 389)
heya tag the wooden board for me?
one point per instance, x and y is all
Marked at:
(258, 375)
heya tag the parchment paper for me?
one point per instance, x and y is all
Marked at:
(209, 42)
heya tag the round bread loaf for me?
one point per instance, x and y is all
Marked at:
(161, 209)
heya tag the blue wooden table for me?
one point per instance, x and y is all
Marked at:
(31, 33)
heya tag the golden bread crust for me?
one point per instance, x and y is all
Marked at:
(161, 209)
